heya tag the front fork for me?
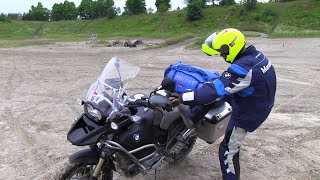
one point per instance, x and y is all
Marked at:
(98, 168)
(105, 153)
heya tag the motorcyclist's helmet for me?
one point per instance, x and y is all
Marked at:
(228, 42)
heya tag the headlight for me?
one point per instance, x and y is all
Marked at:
(93, 112)
(114, 126)
(119, 122)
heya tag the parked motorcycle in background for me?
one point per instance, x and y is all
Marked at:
(135, 134)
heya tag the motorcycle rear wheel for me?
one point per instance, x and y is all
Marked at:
(82, 172)
(177, 158)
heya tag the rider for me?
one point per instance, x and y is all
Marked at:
(250, 81)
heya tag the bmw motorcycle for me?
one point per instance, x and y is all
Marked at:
(135, 134)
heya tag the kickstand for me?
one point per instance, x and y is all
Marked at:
(155, 174)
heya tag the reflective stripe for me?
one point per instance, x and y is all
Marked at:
(189, 96)
(258, 55)
(243, 83)
(235, 142)
(239, 70)
(220, 88)
(246, 92)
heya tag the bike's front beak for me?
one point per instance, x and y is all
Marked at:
(86, 131)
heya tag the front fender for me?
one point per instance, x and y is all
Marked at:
(88, 156)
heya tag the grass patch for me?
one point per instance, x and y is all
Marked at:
(299, 34)
(298, 18)
(8, 44)
(16, 30)
(171, 41)
(31, 42)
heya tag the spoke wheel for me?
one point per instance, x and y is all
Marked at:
(82, 172)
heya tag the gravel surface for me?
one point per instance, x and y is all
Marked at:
(40, 85)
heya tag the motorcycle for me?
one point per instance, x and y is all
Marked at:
(135, 134)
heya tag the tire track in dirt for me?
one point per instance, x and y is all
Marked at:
(24, 137)
(85, 25)
(298, 95)
(295, 144)
(277, 18)
(36, 34)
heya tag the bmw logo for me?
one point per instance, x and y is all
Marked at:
(227, 75)
(136, 137)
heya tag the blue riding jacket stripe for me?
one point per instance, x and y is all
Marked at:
(251, 81)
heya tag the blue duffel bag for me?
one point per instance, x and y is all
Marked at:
(189, 77)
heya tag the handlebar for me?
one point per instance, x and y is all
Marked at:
(139, 103)
(142, 102)
(172, 100)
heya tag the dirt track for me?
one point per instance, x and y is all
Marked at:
(39, 87)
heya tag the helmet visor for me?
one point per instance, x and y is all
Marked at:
(207, 45)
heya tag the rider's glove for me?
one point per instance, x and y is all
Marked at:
(175, 102)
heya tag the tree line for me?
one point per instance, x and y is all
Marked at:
(93, 9)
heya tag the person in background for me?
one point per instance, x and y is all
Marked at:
(250, 83)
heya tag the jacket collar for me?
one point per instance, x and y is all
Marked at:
(245, 52)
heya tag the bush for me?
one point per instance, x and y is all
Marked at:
(270, 12)
(4, 18)
(257, 17)
(242, 12)
(250, 4)
(163, 8)
(194, 11)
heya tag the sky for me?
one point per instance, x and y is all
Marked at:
(21, 6)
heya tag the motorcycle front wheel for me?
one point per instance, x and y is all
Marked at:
(82, 172)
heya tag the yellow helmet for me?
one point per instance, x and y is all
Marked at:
(228, 42)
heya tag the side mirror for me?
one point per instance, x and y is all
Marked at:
(168, 84)
(80, 102)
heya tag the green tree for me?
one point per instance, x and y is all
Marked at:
(64, 11)
(4, 18)
(283, 0)
(105, 8)
(250, 4)
(86, 9)
(38, 13)
(194, 10)
(101, 8)
(203, 3)
(70, 9)
(134, 7)
(227, 2)
(111, 12)
(163, 8)
(57, 12)
(163, 5)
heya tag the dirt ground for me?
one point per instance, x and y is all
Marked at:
(40, 85)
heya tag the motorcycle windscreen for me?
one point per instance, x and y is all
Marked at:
(114, 76)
